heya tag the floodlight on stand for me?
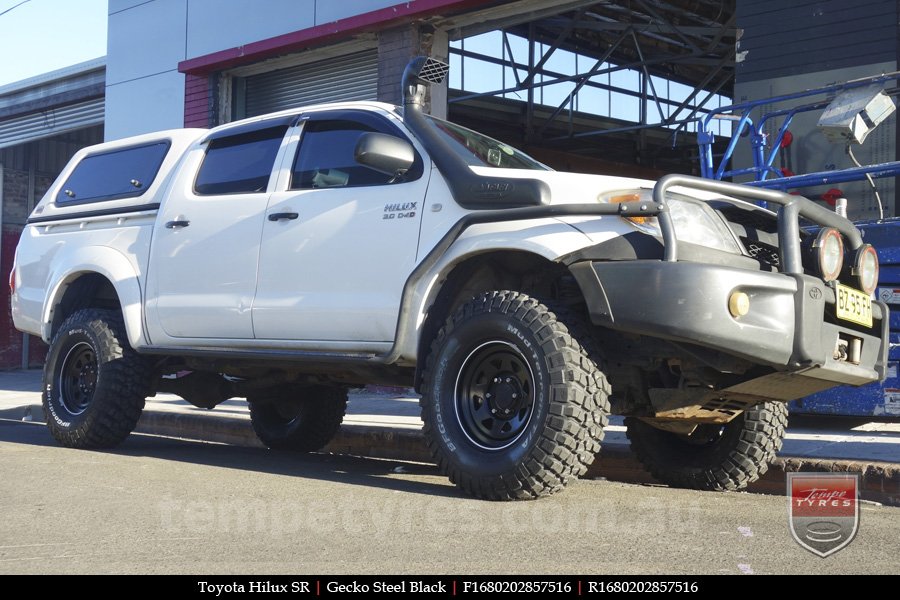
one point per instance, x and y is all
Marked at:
(854, 113)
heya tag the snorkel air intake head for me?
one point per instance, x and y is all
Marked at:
(421, 72)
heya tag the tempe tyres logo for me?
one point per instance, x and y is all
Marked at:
(824, 510)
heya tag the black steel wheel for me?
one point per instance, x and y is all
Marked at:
(78, 378)
(494, 395)
(513, 404)
(94, 383)
(296, 417)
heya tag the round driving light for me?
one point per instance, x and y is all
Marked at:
(830, 253)
(865, 268)
(738, 304)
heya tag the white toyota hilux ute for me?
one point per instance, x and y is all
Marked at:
(290, 257)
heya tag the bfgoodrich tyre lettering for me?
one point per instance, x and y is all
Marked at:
(94, 383)
(513, 404)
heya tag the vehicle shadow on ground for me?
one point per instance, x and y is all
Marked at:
(352, 470)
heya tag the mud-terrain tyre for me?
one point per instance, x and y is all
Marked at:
(713, 457)
(514, 406)
(94, 383)
(298, 418)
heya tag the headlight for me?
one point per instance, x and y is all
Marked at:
(829, 248)
(865, 268)
(694, 221)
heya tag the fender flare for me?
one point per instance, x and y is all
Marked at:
(470, 245)
(109, 263)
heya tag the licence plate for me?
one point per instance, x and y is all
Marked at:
(853, 305)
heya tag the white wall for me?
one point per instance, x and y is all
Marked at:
(215, 25)
(147, 40)
(144, 90)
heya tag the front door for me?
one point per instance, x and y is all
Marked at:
(339, 242)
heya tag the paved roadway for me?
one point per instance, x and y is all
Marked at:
(159, 505)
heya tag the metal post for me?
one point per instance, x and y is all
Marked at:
(637, 47)
(29, 205)
(529, 109)
(512, 59)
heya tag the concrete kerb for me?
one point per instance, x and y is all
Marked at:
(880, 481)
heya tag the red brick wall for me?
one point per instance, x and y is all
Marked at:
(197, 105)
(10, 339)
(396, 47)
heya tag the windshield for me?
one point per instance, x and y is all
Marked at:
(479, 150)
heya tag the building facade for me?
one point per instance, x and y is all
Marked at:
(44, 120)
(204, 62)
(583, 85)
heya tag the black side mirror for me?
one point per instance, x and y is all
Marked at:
(384, 153)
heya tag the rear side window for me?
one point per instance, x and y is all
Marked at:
(112, 175)
(239, 164)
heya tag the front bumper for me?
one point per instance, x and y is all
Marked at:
(788, 326)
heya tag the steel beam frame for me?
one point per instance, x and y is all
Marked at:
(691, 45)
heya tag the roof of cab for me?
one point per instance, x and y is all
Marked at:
(286, 116)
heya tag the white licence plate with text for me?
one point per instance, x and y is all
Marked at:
(853, 305)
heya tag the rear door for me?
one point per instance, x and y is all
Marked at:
(339, 239)
(206, 243)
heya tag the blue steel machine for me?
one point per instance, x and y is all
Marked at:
(851, 110)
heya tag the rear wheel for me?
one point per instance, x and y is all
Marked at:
(298, 418)
(712, 457)
(513, 405)
(94, 383)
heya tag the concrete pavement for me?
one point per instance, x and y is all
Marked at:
(157, 505)
(387, 425)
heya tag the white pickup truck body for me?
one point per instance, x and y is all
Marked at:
(233, 279)
(337, 245)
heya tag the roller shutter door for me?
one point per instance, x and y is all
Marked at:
(50, 122)
(350, 77)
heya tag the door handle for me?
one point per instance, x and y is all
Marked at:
(177, 224)
(290, 216)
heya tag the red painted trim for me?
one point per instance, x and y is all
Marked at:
(323, 34)
(196, 101)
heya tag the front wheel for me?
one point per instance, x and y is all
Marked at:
(513, 405)
(94, 383)
(712, 457)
